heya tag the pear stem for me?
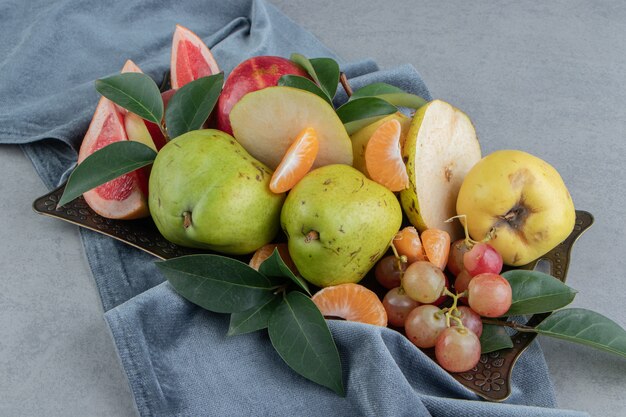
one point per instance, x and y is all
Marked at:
(163, 129)
(186, 219)
(345, 84)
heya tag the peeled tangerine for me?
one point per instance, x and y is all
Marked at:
(519, 203)
(440, 149)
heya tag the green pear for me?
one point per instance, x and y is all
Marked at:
(338, 224)
(207, 192)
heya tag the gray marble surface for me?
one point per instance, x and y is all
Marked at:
(544, 77)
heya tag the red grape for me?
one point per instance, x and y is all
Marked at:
(423, 282)
(457, 349)
(398, 305)
(455, 259)
(389, 271)
(482, 258)
(461, 282)
(470, 320)
(444, 297)
(424, 324)
(489, 295)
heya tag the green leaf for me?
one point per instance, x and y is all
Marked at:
(587, 327)
(306, 64)
(535, 292)
(411, 101)
(253, 319)
(302, 83)
(357, 125)
(106, 164)
(356, 114)
(327, 71)
(324, 71)
(217, 283)
(192, 104)
(301, 337)
(375, 89)
(390, 94)
(135, 92)
(274, 266)
(494, 338)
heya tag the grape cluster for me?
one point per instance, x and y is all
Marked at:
(418, 286)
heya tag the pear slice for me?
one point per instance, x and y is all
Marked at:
(266, 122)
(440, 148)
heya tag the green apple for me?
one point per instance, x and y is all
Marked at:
(206, 191)
(338, 224)
(518, 203)
(361, 137)
(440, 149)
(267, 121)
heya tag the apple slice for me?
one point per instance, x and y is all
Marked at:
(266, 122)
(252, 74)
(440, 148)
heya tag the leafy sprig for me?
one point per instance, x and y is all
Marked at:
(364, 106)
(273, 298)
(535, 292)
(187, 110)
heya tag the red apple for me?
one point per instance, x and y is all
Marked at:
(252, 75)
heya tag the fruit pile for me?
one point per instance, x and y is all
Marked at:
(225, 166)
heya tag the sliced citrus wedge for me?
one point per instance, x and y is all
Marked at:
(437, 246)
(351, 302)
(266, 251)
(297, 161)
(125, 196)
(130, 66)
(191, 58)
(407, 242)
(383, 157)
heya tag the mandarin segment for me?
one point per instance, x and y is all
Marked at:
(352, 302)
(383, 157)
(437, 246)
(266, 251)
(408, 243)
(297, 161)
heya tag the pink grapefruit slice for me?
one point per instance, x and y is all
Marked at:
(124, 197)
(191, 58)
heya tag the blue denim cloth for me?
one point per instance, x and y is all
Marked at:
(177, 357)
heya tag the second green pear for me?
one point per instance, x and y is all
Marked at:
(207, 192)
(338, 223)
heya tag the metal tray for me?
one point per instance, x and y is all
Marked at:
(490, 379)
